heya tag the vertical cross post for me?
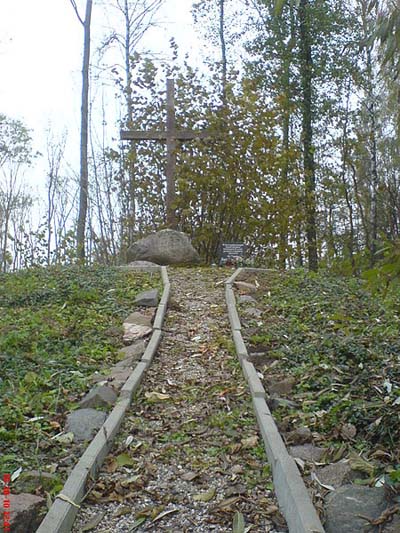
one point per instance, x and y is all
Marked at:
(171, 136)
(171, 156)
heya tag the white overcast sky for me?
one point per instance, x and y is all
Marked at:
(41, 55)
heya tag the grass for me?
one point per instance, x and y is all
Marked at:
(58, 326)
(342, 345)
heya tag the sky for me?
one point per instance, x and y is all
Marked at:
(40, 61)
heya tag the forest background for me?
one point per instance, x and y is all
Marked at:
(302, 99)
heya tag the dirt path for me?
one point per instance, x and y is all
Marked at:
(194, 457)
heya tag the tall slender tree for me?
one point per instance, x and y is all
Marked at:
(84, 165)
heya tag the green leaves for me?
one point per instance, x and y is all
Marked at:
(58, 326)
(238, 525)
(280, 4)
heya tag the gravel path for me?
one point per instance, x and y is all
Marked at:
(188, 457)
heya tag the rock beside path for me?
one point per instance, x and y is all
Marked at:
(246, 299)
(31, 480)
(100, 396)
(84, 423)
(147, 298)
(166, 247)
(133, 332)
(307, 452)
(336, 474)
(27, 511)
(346, 504)
(135, 350)
(245, 288)
(138, 318)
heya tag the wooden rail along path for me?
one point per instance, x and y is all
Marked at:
(192, 432)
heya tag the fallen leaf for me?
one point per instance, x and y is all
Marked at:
(227, 503)
(234, 490)
(205, 496)
(151, 511)
(164, 513)
(314, 477)
(93, 522)
(129, 441)
(122, 511)
(348, 431)
(134, 480)
(190, 476)
(138, 522)
(238, 523)
(65, 438)
(111, 466)
(16, 474)
(68, 500)
(361, 465)
(250, 442)
(125, 460)
(300, 463)
(271, 509)
(156, 396)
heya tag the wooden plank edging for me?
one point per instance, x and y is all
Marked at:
(290, 490)
(61, 515)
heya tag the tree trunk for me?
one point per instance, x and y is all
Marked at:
(84, 170)
(306, 75)
(223, 48)
(373, 160)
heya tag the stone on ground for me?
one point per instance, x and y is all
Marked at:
(280, 387)
(252, 312)
(300, 435)
(132, 332)
(147, 298)
(135, 350)
(275, 402)
(166, 247)
(118, 377)
(336, 474)
(307, 452)
(84, 423)
(27, 511)
(138, 318)
(246, 299)
(345, 505)
(31, 480)
(100, 396)
(142, 264)
(125, 363)
(246, 288)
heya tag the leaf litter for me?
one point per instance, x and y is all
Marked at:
(340, 345)
(200, 463)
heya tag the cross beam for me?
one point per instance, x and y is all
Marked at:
(171, 135)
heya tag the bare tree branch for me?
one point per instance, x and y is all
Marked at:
(73, 3)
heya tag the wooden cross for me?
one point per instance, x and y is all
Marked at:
(171, 135)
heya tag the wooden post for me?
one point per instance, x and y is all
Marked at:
(171, 156)
(171, 135)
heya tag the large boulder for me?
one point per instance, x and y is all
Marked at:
(166, 247)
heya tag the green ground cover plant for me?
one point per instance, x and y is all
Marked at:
(58, 326)
(341, 344)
